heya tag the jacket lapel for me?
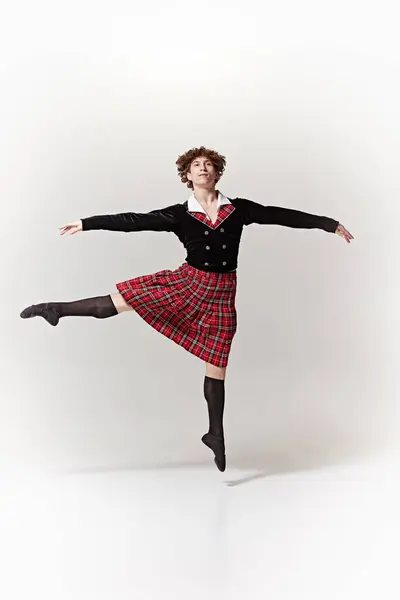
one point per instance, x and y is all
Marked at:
(223, 213)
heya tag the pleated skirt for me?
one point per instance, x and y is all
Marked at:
(193, 308)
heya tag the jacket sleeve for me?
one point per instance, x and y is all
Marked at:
(277, 215)
(165, 219)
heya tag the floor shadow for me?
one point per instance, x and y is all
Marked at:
(261, 462)
(293, 461)
(151, 466)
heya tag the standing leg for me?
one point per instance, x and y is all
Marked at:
(100, 307)
(214, 393)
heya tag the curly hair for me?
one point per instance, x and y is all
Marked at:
(185, 160)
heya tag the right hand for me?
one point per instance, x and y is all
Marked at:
(71, 228)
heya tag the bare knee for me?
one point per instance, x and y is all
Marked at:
(120, 304)
(215, 372)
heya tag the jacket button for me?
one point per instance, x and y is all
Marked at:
(206, 264)
(207, 247)
(206, 232)
(224, 246)
(224, 263)
(222, 230)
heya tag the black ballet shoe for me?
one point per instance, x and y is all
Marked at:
(217, 445)
(44, 310)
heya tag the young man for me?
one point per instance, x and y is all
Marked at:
(193, 305)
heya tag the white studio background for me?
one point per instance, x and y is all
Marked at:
(97, 100)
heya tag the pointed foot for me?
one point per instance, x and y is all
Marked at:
(44, 310)
(217, 445)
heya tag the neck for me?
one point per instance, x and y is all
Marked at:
(205, 196)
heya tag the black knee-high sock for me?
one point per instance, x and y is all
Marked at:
(214, 392)
(100, 307)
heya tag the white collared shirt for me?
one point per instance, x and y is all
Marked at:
(195, 206)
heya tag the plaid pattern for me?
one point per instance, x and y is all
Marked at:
(195, 309)
(223, 213)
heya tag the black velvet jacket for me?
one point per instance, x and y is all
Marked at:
(210, 247)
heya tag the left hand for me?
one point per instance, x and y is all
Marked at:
(342, 231)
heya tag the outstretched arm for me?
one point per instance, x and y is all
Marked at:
(165, 219)
(288, 217)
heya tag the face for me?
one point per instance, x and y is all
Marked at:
(202, 172)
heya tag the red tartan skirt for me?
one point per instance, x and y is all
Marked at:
(193, 308)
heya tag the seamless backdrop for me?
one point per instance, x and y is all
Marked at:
(97, 102)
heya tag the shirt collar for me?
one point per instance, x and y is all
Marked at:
(195, 206)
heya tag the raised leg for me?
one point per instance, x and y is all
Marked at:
(100, 307)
